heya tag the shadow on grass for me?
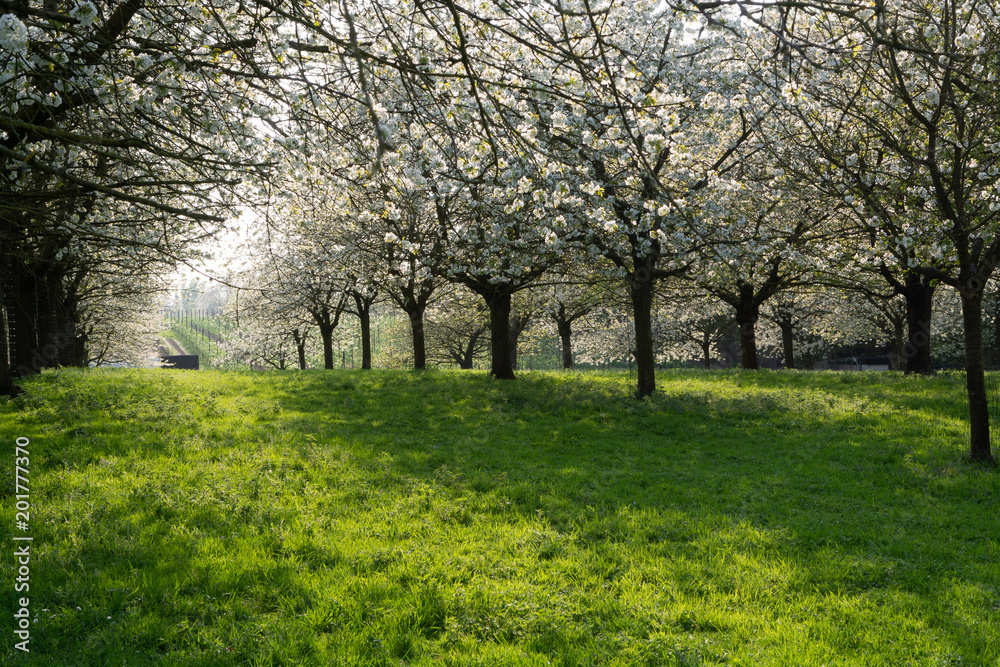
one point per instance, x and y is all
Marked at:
(841, 479)
(723, 501)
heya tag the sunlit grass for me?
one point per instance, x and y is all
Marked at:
(441, 518)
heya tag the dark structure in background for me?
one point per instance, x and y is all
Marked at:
(187, 362)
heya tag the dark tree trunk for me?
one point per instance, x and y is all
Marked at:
(70, 335)
(501, 361)
(642, 317)
(919, 295)
(896, 355)
(7, 386)
(566, 338)
(706, 351)
(60, 339)
(468, 357)
(517, 327)
(747, 314)
(465, 355)
(81, 356)
(787, 343)
(416, 315)
(975, 377)
(364, 316)
(326, 333)
(996, 330)
(48, 321)
(363, 309)
(72, 345)
(47, 353)
(327, 322)
(21, 323)
(300, 347)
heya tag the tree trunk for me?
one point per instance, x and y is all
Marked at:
(706, 351)
(7, 386)
(326, 333)
(21, 322)
(300, 347)
(69, 338)
(416, 314)
(469, 356)
(517, 327)
(896, 355)
(975, 377)
(996, 330)
(566, 338)
(45, 325)
(642, 317)
(787, 343)
(81, 354)
(327, 323)
(364, 316)
(466, 357)
(501, 362)
(919, 295)
(747, 314)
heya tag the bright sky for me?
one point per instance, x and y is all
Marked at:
(224, 251)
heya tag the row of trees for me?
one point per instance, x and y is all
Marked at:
(807, 328)
(125, 131)
(746, 149)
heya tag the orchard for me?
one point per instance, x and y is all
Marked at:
(639, 182)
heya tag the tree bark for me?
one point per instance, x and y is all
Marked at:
(896, 353)
(66, 320)
(300, 348)
(975, 377)
(21, 323)
(501, 362)
(468, 357)
(7, 386)
(46, 321)
(566, 338)
(747, 314)
(996, 330)
(364, 316)
(416, 315)
(919, 295)
(326, 333)
(517, 327)
(787, 343)
(327, 322)
(642, 317)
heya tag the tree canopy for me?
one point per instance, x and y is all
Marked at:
(751, 154)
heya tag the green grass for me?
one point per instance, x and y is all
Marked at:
(441, 518)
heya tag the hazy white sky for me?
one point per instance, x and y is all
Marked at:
(225, 251)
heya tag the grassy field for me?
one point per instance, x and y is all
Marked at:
(442, 518)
